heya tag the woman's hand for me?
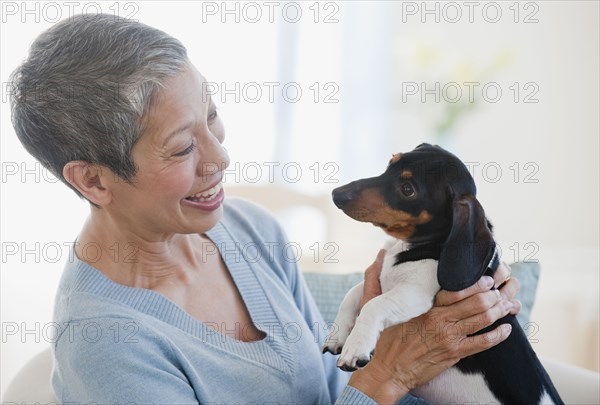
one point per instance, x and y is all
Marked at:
(507, 286)
(410, 354)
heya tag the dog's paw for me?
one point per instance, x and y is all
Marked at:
(337, 337)
(334, 343)
(353, 363)
(355, 354)
(333, 348)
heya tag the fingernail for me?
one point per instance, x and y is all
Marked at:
(503, 331)
(516, 308)
(487, 281)
(507, 305)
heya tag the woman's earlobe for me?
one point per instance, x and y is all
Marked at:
(89, 180)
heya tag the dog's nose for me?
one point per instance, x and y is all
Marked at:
(342, 196)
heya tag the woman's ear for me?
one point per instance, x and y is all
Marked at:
(90, 180)
(469, 248)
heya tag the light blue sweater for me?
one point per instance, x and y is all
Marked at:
(120, 344)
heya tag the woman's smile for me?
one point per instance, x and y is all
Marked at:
(208, 200)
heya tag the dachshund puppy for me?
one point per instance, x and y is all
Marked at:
(426, 200)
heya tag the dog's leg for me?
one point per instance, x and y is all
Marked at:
(400, 304)
(344, 321)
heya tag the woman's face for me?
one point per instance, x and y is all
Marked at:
(180, 161)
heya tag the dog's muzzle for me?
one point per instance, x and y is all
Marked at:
(342, 196)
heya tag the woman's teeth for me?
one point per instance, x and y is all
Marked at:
(206, 195)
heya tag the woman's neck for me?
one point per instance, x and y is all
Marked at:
(134, 258)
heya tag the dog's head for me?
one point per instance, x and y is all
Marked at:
(427, 196)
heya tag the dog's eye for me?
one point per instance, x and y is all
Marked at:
(407, 189)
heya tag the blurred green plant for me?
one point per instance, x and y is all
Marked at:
(465, 73)
(432, 64)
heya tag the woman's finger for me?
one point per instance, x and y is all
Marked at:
(484, 319)
(444, 298)
(516, 307)
(509, 287)
(473, 305)
(475, 344)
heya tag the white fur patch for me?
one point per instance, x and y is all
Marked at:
(545, 399)
(453, 386)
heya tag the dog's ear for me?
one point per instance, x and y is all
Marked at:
(469, 248)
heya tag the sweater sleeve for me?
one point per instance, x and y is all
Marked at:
(137, 365)
(352, 396)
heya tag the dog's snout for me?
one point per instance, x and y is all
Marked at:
(342, 196)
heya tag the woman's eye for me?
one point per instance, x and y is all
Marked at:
(187, 150)
(407, 189)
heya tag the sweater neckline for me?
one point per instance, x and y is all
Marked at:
(272, 350)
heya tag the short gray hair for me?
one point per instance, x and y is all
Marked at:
(84, 88)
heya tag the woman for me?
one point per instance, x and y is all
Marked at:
(159, 303)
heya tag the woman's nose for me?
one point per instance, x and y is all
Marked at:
(213, 157)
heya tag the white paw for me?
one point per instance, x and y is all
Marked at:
(332, 347)
(335, 340)
(356, 352)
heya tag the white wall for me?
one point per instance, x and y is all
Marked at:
(555, 141)
(558, 215)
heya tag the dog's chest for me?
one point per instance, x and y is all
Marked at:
(420, 273)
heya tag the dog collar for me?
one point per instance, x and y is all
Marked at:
(495, 260)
